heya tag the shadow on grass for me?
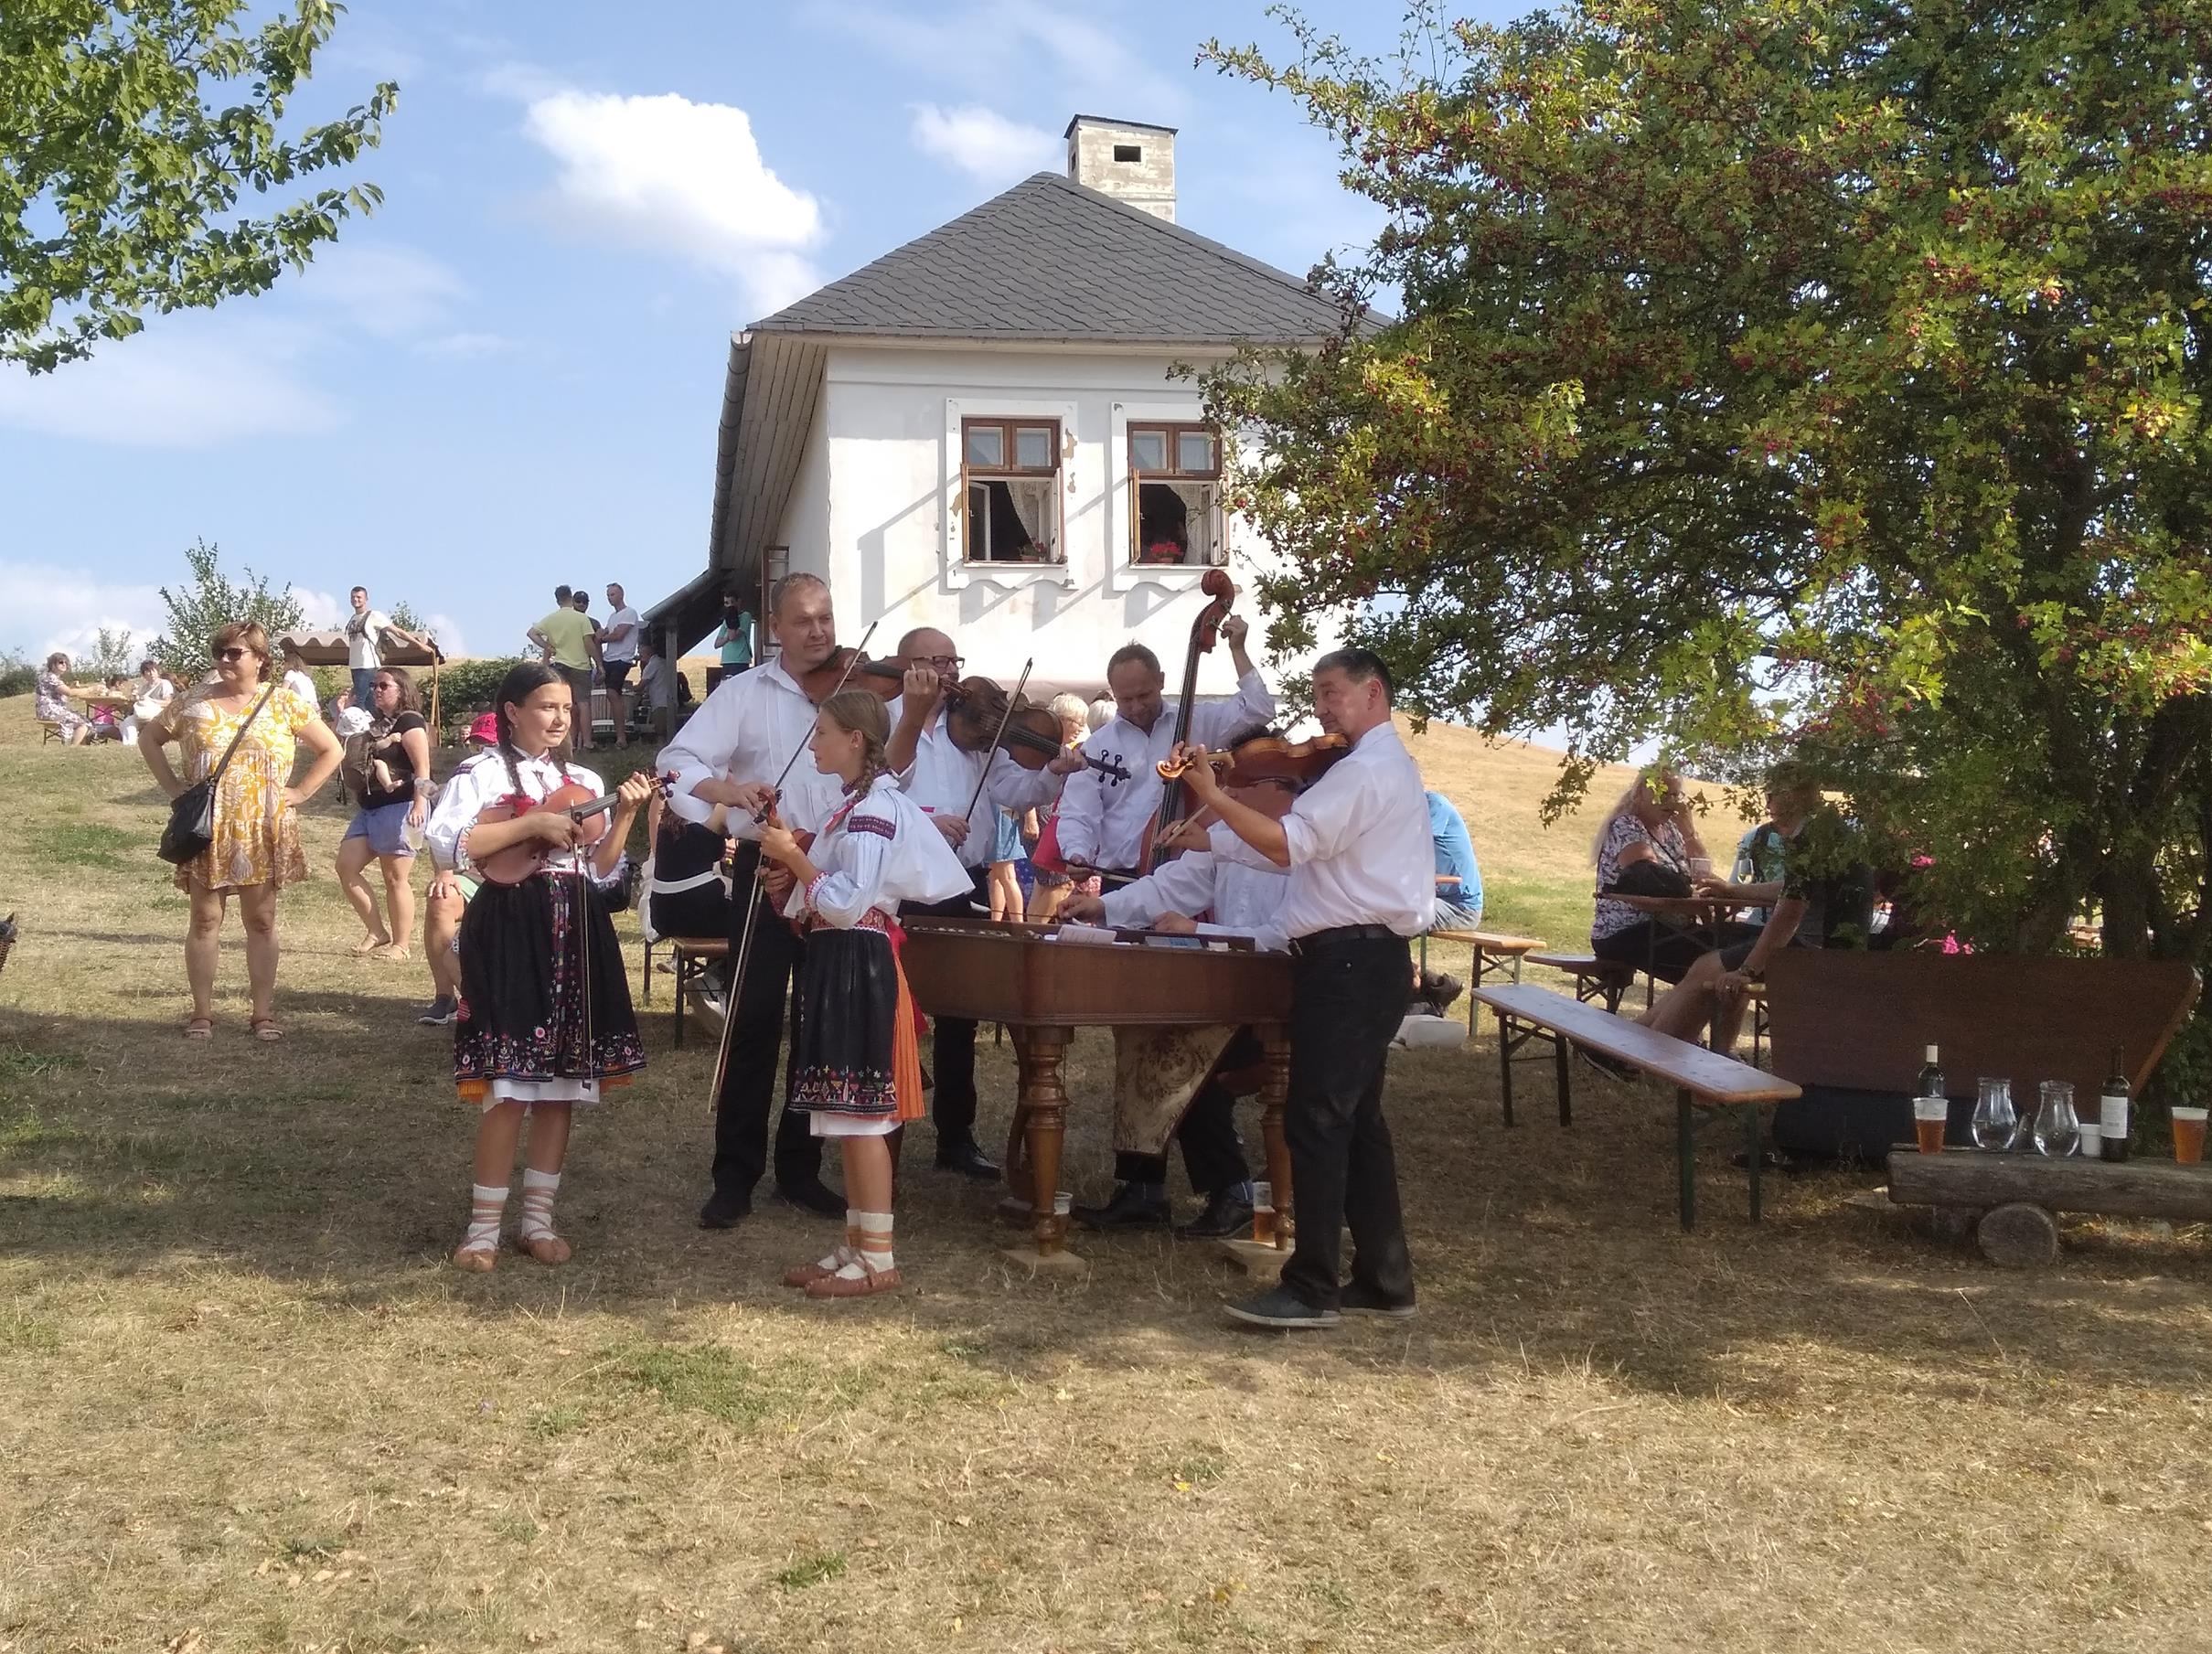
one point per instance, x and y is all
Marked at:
(336, 1162)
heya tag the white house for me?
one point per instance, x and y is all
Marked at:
(982, 431)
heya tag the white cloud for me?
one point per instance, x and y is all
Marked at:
(190, 382)
(664, 173)
(1044, 46)
(468, 347)
(447, 631)
(982, 143)
(44, 608)
(386, 289)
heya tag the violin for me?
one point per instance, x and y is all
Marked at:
(517, 862)
(1264, 758)
(884, 678)
(976, 709)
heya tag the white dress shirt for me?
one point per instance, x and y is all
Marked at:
(942, 780)
(1102, 820)
(747, 731)
(1360, 850)
(880, 852)
(483, 781)
(1237, 895)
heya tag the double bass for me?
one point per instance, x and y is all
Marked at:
(1205, 631)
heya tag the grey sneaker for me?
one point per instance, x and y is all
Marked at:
(1283, 1309)
(1357, 1299)
(439, 1011)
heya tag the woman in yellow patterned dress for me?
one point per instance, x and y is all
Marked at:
(256, 849)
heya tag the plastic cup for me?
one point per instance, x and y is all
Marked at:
(1263, 1214)
(2188, 1135)
(1930, 1115)
(1701, 866)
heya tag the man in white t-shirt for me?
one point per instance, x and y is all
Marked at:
(618, 654)
(368, 631)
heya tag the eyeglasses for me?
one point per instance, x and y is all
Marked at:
(383, 683)
(947, 662)
(232, 653)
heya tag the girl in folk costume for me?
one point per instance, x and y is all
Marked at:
(856, 1063)
(544, 1020)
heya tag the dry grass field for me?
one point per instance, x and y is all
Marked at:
(246, 1405)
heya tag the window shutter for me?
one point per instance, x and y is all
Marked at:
(1217, 526)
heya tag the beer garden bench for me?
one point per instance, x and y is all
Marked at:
(1707, 1085)
(1494, 954)
(1594, 978)
(688, 957)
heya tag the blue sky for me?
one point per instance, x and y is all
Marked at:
(510, 376)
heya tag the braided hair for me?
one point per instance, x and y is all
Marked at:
(861, 712)
(523, 679)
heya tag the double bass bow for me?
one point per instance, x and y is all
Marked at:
(1205, 631)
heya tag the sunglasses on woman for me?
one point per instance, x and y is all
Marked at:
(233, 653)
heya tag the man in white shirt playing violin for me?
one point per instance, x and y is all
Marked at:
(1357, 849)
(730, 753)
(948, 781)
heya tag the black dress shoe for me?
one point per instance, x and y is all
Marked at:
(811, 1194)
(1131, 1208)
(967, 1161)
(724, 1211)
(1228, 1213)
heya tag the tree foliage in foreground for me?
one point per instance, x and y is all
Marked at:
(1816, 372)
(130, 131)
(209, 601)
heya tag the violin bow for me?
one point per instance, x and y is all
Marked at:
(752, 905)
(991, 753)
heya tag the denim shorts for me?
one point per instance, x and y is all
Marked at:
(385, 827)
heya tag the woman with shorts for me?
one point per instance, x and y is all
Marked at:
(392, 780)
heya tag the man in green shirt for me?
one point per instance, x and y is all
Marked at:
(571, 643)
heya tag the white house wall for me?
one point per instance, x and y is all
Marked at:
(884, 458)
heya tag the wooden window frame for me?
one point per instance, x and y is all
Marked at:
(970, 475)
(1171, 431)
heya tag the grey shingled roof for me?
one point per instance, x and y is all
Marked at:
(1050, 260)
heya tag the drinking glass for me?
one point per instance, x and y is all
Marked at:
(2057, 1130)
(2188, 1135)
(1995, 1122)
(1263, 1212)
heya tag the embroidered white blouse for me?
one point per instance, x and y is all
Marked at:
(882, 851)
(483, 781)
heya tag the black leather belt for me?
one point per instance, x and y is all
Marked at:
(1344, 932)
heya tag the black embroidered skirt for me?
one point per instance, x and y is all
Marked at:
(544, 998)
(842, 1061)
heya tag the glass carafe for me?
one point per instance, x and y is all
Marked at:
(2057, 1130)
(1995, 1122)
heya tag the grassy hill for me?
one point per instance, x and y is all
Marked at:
(246, 1405)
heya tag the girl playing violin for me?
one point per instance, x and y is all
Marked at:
(544, 1020)
(855, 1060)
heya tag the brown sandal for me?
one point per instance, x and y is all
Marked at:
(199, 1028)
(266, 1031)
(840, 1287)
(476, 1260)
(548, 1248)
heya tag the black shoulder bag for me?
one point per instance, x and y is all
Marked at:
(191, 827)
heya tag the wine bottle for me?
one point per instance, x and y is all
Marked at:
(1930, 1083)
(2112, 1110)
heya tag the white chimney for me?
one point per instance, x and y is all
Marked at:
(1125, 159)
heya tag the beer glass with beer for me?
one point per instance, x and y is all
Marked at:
(2188, 1135)
(1930, 1115)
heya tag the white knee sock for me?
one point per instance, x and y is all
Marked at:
(485, 1204)
(849, 1249)
(538, 1189)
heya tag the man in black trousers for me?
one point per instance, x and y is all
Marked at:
(730, 753)
(1357, 847)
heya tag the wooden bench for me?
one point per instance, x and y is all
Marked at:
(688, 957)
(1703, 1080)
(1593, 978)
(2009, 1198)
(1494, 954)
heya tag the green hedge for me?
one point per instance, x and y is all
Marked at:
(466, 687)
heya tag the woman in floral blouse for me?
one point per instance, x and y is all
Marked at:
(256, 849)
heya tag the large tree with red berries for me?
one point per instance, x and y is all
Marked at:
(1770, 374)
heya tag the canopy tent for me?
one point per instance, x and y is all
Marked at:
(329, 649)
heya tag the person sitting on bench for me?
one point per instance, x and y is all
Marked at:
(1824, 898)
(1651, 826)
